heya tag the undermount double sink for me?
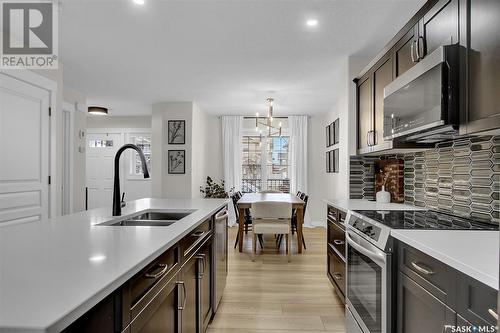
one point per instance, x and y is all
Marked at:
(152, 219)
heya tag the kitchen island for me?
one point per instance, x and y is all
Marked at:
(52, 272)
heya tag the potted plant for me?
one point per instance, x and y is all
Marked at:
(214, 190)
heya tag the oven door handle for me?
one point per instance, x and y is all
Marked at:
(377, 257)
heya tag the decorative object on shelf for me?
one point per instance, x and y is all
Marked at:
(176, 132)
(97, 110)
(214, 190)
(268, 121)
(383, 196)
(176, 161)
(389, 176)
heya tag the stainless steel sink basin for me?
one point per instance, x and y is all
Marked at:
(138, 223)
(152, 219)
(163, 216)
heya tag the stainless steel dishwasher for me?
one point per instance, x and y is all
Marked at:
(220, 257)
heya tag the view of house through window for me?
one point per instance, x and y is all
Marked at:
(265, 164)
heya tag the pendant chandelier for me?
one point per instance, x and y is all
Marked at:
(268, 121)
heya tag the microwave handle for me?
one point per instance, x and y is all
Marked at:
(418, 47)
(412, 51)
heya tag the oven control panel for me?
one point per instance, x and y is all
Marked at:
(367, 228)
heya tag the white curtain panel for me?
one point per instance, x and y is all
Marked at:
(231, 156)
(298, 158)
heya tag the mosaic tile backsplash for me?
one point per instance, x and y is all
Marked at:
(461, 177)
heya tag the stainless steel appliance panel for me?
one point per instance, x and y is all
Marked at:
(220, 257)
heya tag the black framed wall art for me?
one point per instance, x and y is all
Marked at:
(176, 132)
(177, 162)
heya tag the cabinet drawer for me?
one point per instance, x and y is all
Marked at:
(144, 285)
(336, 270)
(436, 277)
(336, 238)
(195, 238)
(476, 302)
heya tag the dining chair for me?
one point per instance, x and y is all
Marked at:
(299, 193)
(270, 191)
(248, 219)
(271, 218)
(294, 223)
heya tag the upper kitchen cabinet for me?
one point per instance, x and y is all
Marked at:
(365, 112)
(382, 76)
(483, 70)
(405, 51)
(439, 26)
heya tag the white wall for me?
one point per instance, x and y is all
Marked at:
(73, 97)
(126, 126)
(324, 185)
(203, 150)
(170, 185)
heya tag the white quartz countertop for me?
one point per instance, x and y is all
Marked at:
(474, 253)
(53, 271)
(363, 204)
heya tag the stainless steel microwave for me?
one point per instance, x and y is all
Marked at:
(422, 105)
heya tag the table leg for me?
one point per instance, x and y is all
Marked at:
(241, 226)
(300, 222)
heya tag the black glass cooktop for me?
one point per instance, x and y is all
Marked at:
(428, 219)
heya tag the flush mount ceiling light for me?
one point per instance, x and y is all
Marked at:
(139, 2)
(98, 110)
(312, 22)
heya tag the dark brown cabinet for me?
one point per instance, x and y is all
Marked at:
(189, 276)
(404, 51)
(336, 262)
(162, 313)
(382, 76)
(483, 70)
(431, 294)
(418, 310)
(365, 112)
(439, 26)
(204, 285)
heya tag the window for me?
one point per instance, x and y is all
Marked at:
(143, 141)
(265, 164)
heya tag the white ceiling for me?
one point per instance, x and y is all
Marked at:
(227, 55)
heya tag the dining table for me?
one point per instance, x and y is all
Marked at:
(246, 201)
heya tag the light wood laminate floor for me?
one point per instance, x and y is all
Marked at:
(272, 295)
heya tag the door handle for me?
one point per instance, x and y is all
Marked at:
(418, 47)
(203, 262)
(163, 267)
(183, 306)
(221, 215)
(413, 52)
(421, 269)
(493, 313)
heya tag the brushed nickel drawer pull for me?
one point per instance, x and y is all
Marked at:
(493, 313)
(198, 233)
(421, 269)
(183, 306)
(337, 276)
(160, 273)
(338, 242)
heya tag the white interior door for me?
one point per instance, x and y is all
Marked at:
(101, 150)
(24, 151)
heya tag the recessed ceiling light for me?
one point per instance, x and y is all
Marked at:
(312, 22)
(139, 2)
